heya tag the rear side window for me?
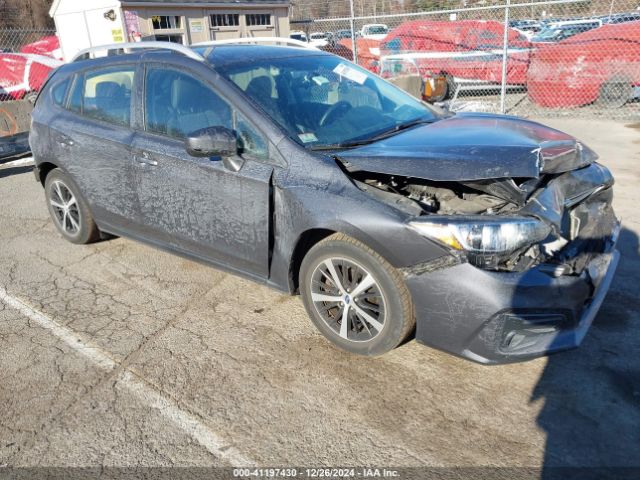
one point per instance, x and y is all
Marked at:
(104, 95)
(59, 92)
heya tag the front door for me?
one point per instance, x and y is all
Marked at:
(197, 205)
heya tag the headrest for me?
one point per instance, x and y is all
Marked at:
(260, 87)
(108, 89)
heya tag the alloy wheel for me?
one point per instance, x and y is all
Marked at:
(348, 299)
(65, 207)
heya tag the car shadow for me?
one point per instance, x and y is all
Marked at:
(591, 396)
(10, 171)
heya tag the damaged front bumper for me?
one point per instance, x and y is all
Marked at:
(499, 317)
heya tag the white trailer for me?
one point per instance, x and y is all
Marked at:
(81, 26)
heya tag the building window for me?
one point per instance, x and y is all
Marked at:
(225, 20)
(258, 19)
(170, 38)
(166, 22)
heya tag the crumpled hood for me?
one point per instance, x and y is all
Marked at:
(472, 146)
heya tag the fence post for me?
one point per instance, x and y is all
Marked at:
(353, 33)
(505, 46)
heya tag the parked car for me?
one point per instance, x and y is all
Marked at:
(528, 25)
(299, 35)
(22, 75)
(368, 52)
(621, 17)
(492, 236)
(446, 36)
(601, 65)
(319, 39)
(527, 28)
(48, 46)
(556, 32)
(464, 52)
(340, 34)
(374, 31)
(338, 48)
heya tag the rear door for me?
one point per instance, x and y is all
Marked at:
(93, 137)
(197, 205)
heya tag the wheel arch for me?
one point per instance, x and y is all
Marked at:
(43, 169)
(304, 243)
(308, 238)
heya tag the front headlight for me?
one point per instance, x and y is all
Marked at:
(484, 239)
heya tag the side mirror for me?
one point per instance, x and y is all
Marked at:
(212, 142)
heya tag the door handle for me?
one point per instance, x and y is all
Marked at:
(144, 158)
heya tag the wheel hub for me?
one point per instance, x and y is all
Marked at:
(348, 299)
(65, 207)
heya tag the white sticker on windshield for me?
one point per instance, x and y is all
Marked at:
(320, 80)
(352, 74)
(307, 137)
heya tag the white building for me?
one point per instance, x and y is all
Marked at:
(85, 23)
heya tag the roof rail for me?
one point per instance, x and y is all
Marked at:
(175, 47)
(232, 41)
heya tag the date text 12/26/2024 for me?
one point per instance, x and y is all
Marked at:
(315, 472)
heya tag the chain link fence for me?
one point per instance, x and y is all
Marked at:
(26, 58)
(544, 58)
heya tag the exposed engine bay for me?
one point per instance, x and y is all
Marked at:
(576, 205)
(417, 196)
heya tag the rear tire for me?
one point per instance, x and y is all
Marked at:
(357, 299)
(68, 210)
(615, 93)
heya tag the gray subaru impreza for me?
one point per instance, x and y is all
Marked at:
(487, 236)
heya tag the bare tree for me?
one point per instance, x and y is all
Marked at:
(25, 14)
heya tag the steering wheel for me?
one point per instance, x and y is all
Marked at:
(336, 110)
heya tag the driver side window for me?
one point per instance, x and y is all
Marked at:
(176, 104)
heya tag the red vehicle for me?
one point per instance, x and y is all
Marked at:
(446, 36)
(601, 65)
(463, 51)
(368, 51)
(47, 46)
(23, 74)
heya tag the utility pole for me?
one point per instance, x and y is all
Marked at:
(505, 46)
(353, 33)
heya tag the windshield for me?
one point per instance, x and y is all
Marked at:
(324, 100)
(565, 31)
(548, 34)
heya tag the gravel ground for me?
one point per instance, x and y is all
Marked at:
(118, 355)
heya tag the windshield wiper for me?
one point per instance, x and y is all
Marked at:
(334, 146)
(400, 127)
(380, 136)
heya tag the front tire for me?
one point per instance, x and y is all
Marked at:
(357, 299)
(68, 210)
